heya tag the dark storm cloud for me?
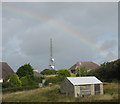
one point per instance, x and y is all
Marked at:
(26, 37)
(109, 44)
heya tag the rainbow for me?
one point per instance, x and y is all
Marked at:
(57, 25)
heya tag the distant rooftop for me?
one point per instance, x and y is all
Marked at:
(5, 70)
(37, 74)
(86, 64)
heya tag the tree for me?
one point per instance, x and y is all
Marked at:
(107, 71)
(48, 72)
(81, 71)
(63, 73)
(25, 70)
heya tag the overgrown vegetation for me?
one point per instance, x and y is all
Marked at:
(61, 75)
(23, 80)
(107, 71)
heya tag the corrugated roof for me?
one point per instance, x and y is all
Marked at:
(84, 80)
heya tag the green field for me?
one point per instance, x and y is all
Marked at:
(52, 94)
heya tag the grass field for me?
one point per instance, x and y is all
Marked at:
(52, 94)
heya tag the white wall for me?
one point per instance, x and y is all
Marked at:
(1, 80)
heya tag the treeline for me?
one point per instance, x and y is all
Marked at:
(24, 79)
(108, 71)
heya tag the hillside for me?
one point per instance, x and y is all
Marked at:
(52, 94)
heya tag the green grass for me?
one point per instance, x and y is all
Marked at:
(52, 94)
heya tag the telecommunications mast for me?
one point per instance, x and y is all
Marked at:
(51, 63)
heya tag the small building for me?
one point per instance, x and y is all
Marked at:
(81, 86)
(5, 70)
(87, 64)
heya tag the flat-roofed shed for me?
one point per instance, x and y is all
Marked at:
(81, 86)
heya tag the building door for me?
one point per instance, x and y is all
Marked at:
(97, 89)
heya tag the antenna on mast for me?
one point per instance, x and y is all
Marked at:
(52, 63)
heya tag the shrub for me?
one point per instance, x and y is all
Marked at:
(28, 81)
(48, 72)
(15, 81)
(12, 81)
(38, 79)
(63, 73)
(54, 80)
(25, 81)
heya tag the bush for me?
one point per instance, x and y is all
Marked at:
(63, 73)
(15, 81)
(48, 72)
(25, 81)
(54, 80)
(38, 79)
(28, 81)
(12, 81)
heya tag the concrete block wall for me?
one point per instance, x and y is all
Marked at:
(67, 87)
(92, 89)
(70, 88)
(101, 89)
(76, 91)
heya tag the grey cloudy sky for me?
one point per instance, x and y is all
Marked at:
(80, 32)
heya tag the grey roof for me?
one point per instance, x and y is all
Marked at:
(84, 80)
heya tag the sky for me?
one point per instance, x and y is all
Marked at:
(82, 31)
